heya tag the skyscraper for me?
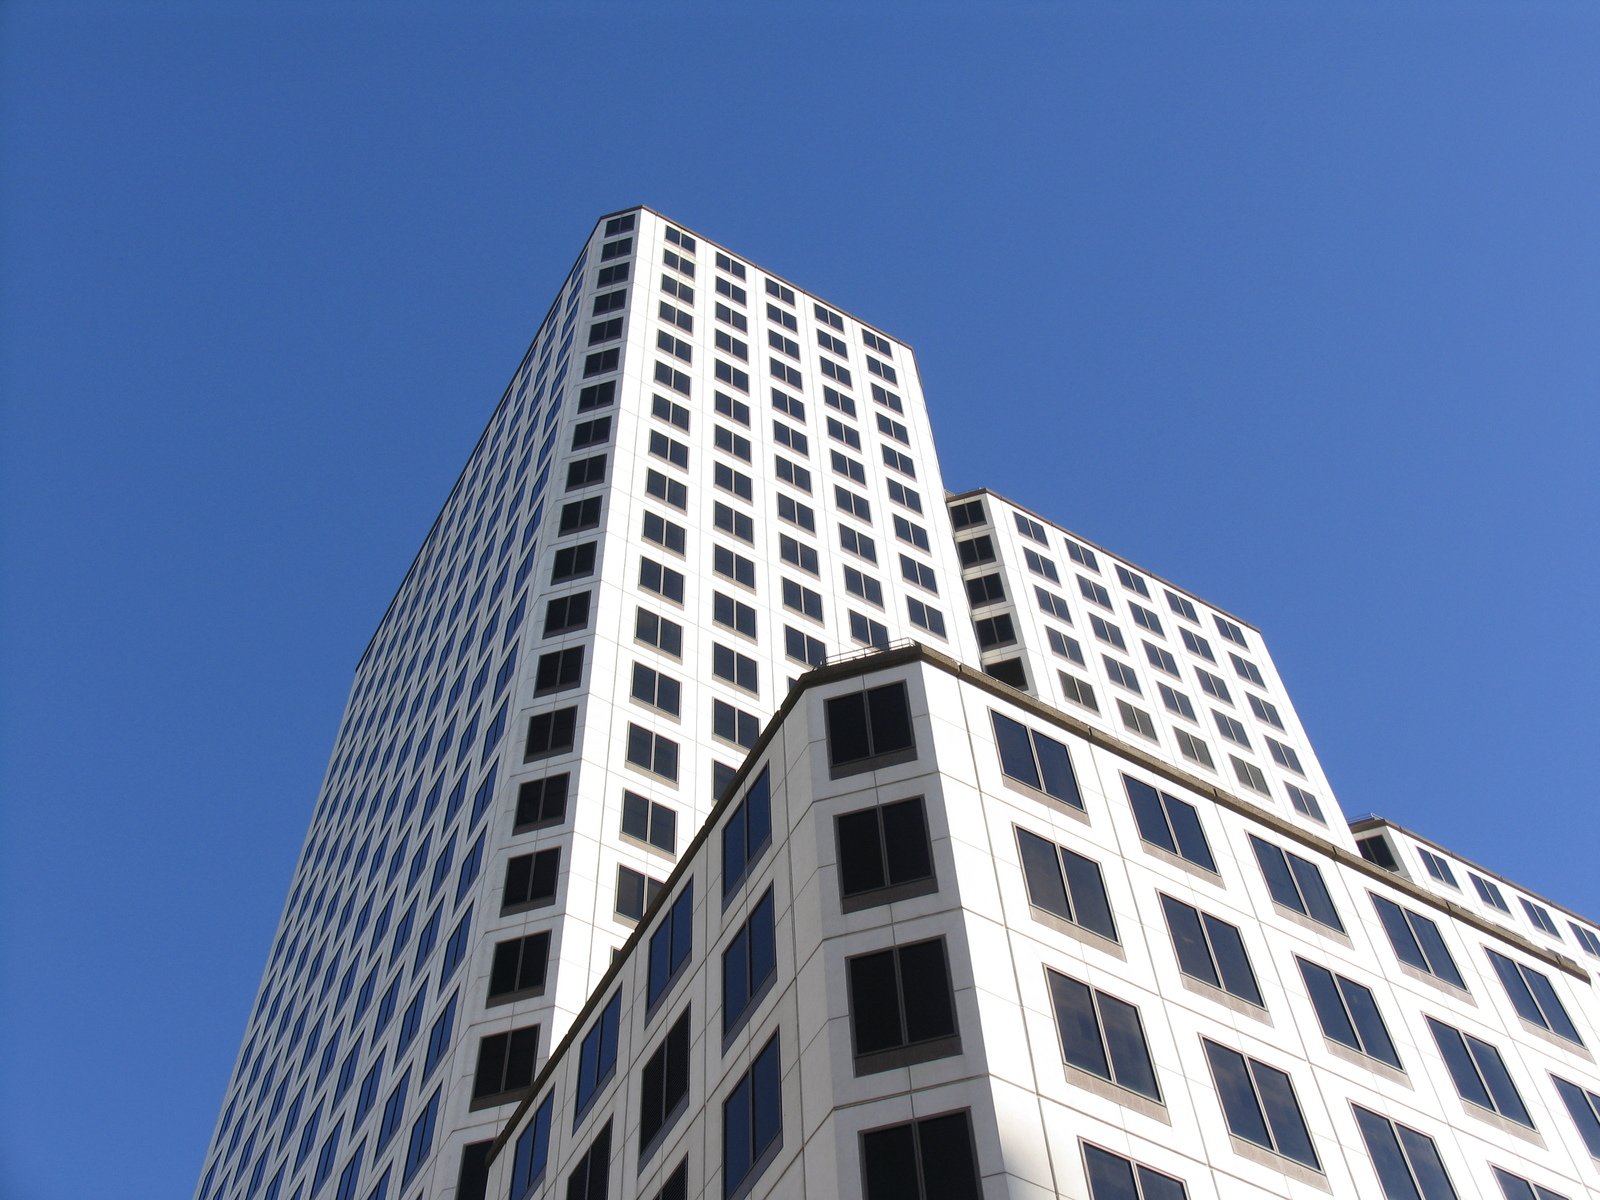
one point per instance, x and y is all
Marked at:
(721, 807)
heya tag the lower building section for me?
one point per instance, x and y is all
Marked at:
(938, 940)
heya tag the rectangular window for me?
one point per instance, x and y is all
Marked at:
(802, 600)
(803, 648)
(655, 689)
(1169, 823)
(1417, 942)
(420, 1145)
(1197, 644)
(1161, 660)
(1193, 748)
(734, 724)
(558, 671)
(1514, 1187)
(1407, 1162)
(1102, 1036)
(1176, 702)
(1260, 1105)
(1267, 712)
(1305, 803)
(747, 833)
(738, 669)
(1489, 892)
(1249, 775)
(1213, 686)
(1348, 1013)
(1121, 674)
(1540, 917)
(550, 733)
(1065, 884)
(1533, 996)
(597, 1056)
(1065, 647)
(531, 880)
(869, 729)
(645, 821)
(520, 967)
(1584, 1107)
(532, 1152)
(1112, 1177)
(670, 946)
(749, 964)
(566, 614)
(752, 1122)
(541, 802)
(505, 1066)
(1107, 632)
(928, 1159)
(591, 1178)
(1136, 720)
(1079, 691)
(1285, 756)
(1479, 1073)
(1211, 951)
(884, 854)
(1037, 761)
(1296, 883)
(654, 630)
(635, 893)
(902, 1010)
(652, 752)
(664, 1085)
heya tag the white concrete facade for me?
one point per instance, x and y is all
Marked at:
(700, 483)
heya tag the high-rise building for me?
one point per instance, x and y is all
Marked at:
(722, 808)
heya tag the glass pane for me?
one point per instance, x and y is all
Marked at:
(1550, 1004)
(948, 1172)
(1276, 872)
(1438, 954)
(1330, 1008)
(1387, 1160)
(1427, 1164)
(1056, 768)
(847, 729)
(1130, 1057)
(1319, 905)
(1453, 1049)
(1194, 955)
(1400, 937)
(767, 1097)
(889, 1164)
(1080, 1030)
(925, 984)
(1369, 1022)
(1161, 1187)
(1238, 1095)
(1147, 811)
(1234, 963)
(1042, 871)
(1191, 838)
(1110, 1177)
(735, 978)
(889, 710)
(905, 835)
(1283, 1113)
(875, 1003)
(1089, 902)
(1507, 1101)
(763, 942)
(860, 853)
(1016, 750)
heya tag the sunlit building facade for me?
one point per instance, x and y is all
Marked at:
(722, 808)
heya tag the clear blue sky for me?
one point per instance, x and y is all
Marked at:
(1297, 304)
